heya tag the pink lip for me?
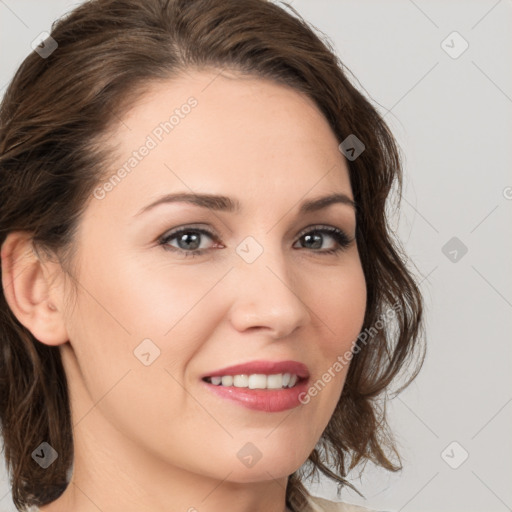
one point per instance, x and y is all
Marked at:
(267, 400)
(265, 367)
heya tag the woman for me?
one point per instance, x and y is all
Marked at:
(202, 302)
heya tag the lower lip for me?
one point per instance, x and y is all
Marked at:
(267, 400)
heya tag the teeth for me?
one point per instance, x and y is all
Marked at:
(241, 381)
(227, 380)
(274, 381)
(256, 381)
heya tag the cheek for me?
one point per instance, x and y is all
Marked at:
(135, 300)
(339, 304)
(167, 296)
(341, 309)
(145, 325)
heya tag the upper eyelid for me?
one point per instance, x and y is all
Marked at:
(320, 227)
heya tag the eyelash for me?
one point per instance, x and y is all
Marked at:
(339, 236)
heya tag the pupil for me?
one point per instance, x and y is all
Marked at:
(314, 238)
(186, 238)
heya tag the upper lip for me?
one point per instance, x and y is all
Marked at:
(262, 367)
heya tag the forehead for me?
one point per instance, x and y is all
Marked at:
(225, 133)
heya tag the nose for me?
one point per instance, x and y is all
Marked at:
(268, 296)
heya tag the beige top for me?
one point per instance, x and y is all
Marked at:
(317, 504)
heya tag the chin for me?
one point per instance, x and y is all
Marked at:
(268, 467)
(261, 472)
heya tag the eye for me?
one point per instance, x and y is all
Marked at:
(189, 240)
(315, 237)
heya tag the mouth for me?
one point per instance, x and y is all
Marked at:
(268, 386)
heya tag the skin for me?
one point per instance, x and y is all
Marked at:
(151, 438)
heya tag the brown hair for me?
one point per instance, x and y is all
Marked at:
(54, 118)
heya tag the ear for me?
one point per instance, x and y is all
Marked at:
(28, 289)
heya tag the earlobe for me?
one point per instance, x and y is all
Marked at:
(28, 290)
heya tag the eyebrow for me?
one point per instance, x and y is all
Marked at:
(227, 204)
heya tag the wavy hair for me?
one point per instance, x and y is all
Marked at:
(54, 120)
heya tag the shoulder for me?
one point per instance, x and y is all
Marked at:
(317, 504)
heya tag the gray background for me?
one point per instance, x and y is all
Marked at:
(453, 120)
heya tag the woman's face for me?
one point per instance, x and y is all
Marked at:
(154, 316)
